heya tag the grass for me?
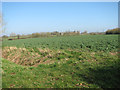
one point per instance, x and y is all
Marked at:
(86, 72)
(61, 62)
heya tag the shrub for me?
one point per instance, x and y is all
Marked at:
(113, 31)
(34, 35)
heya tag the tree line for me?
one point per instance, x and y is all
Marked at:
(13, 36)
(113, 31)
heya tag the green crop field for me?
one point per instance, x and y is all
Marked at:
(81, 61)
(94, 43)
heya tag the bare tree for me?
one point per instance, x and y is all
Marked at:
(2, 24)
(0, 27)
(85, 32)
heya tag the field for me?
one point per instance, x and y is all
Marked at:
(81, 61)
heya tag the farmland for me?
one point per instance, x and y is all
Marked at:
(80, 61)
(91, 42)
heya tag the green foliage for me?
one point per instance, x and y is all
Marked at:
(113, 31)
(86, 61)
(99, 71)
(90, 42)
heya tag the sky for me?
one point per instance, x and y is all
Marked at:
(31, 17)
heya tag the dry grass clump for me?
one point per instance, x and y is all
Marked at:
(24, 57)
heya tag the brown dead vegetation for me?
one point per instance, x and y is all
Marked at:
(113, 53)
(24, 57)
